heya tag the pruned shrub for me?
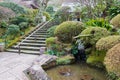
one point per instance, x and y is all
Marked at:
(95, 33)
(23, 25)
(3, 24)
(13, 30)
(107, 42)
(66, 30)
(50, 31)
(116, 21)
(112, 60)
(17, 20)
(50, 41)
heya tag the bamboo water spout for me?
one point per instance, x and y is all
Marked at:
(76, 37)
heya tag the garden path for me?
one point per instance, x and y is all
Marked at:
(12, 65)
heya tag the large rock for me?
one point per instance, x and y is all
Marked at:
(37, 73)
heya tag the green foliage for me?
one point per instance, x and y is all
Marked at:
(99, 22)
(114, 10)
(3, 24)
(30, 16)
(62, 14)
(96, 58)
(112, 60)
(23, 25)
(65, 60)
(47, 15)
(67, 30)
(95, 34)
(116, 21)
(54, 47)
(92, 11)
(19, 19)
(54, 51)
(50, 10)
(112, 76)
(13, 30)
(107, 42)
(2, 31)
(74, 49)
(50, 31)
(15, 7)
(50, 41)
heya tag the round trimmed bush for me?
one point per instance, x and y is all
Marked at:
(112, 60)
(66, 30)
(107, 42)
(116, 21)
(50, 41)
(95, 34)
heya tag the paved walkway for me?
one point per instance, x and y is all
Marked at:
(12, 65)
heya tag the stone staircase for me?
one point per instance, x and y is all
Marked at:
(31, 43)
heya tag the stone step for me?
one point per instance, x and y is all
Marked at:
(27, 48)
(40, 33)
(38, 36)
(33, 44)
(33, 38)
(44, 29)
(24, 51)
(34, 41)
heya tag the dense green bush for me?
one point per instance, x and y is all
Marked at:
(23, 25)
(50, 41)
(116, 21)
(114, 9)
(112, 60)
(13, 30)
(15, 7)
(95, 34)
(96, 58)
(50, 10)
(3, 24)
(65, 60)
(50, 31)
(17, 20)
(99, 22)
(67, 30)
(107, 42)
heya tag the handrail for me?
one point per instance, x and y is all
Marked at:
(18, 46)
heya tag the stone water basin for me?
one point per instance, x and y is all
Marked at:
(76, 72)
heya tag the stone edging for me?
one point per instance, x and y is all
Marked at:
(36, 71)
